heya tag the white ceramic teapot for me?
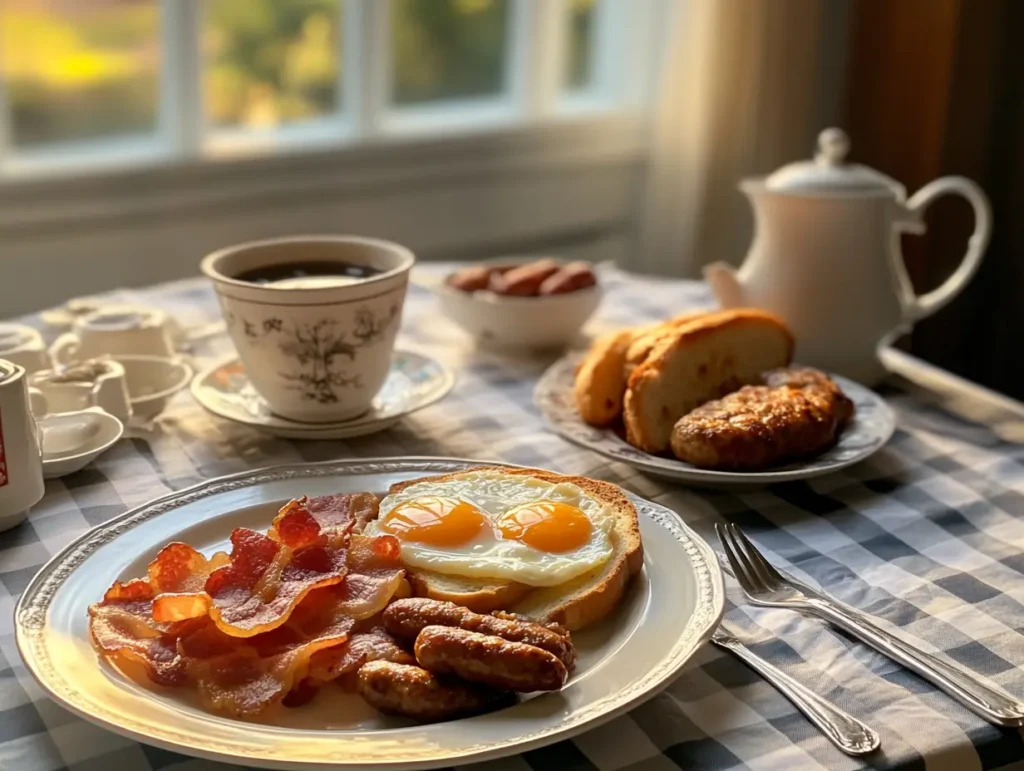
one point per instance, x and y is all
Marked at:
(826, 257)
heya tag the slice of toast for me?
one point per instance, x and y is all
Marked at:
(701, 360)
(602, 376)
(480, 595)
(576, 603)
(642, 344)
(601, 379)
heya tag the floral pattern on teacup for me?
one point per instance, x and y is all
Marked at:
(320, 348)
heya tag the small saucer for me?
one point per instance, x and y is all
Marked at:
(415, 381)
(72, 440)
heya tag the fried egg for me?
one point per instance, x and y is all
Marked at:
(492, 525)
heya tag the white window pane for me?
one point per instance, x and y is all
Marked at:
(80, 69)
(582, 17)
(448, 49)
(271, 62)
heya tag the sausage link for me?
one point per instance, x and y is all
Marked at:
(406, 618)
(523, 280)
(403, 689)
(471, 279)
(575, 275)
(487, 659)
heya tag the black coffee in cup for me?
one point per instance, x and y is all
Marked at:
(308, 274)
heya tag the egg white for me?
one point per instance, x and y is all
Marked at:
(488, 556)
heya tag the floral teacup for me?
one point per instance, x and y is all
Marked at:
(317, 352)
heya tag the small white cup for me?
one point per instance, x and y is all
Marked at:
(115, 330)
(21, 462)
(320, 353)
(23, 346)
(103, 380)
(152, 381)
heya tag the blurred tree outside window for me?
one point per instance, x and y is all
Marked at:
(448, 49)
(91, 69)
(80, 69)
(270, 62)
(581, 44)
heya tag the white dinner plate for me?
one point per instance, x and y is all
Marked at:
(414, 382)
(671, 608)
(872, 426)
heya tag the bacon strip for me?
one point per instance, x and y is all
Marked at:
(122, 627)
(177, 576)
(245, 678)
(267, 577)
(342, 660)
(343, 512)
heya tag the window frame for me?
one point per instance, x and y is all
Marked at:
(534, 93)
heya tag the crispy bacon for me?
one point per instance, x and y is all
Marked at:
(243, 678)
(269, 622)
(122, 626)
(375, 576)
(371, 645)
(343, 512)
(177, 576)
(267, 579)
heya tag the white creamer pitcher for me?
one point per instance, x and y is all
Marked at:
(826, 257)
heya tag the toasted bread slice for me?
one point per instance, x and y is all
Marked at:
(642, 344)
(576, 603)
(701, 360)
(480, 595)
(601, 379)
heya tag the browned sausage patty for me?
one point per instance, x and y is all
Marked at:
(797, 413)
(487, 659)
(403, 689)
(407, 618)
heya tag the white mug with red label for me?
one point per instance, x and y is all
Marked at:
(21, 463)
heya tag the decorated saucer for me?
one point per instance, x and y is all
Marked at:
(415, 381)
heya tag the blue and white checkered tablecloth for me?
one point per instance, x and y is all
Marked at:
(926, 535)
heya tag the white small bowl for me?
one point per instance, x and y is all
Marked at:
(522, 322)
(152, 382)
(72, 440)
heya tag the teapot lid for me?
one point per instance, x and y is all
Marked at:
(828, 172)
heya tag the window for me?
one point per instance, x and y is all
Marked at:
(579, 65)
(448, 49)
(268, 63)
(79, 70)
(87, 82)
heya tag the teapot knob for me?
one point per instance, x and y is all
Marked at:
(833, 145)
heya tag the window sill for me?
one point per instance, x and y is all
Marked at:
(155, 184)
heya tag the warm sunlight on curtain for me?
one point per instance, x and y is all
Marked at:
(745, 86)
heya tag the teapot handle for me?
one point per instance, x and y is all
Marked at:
(928, 303)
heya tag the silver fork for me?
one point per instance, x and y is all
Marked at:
(765, 585)
(844, 730)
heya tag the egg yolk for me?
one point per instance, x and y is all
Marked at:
(434, 521)
(548, 526)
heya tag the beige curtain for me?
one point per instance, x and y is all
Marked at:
(744, 87)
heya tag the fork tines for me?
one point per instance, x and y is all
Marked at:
(753, 572)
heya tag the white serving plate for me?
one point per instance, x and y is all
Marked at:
(872, 426)
(670, 610)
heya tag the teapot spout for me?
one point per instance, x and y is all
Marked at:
(724, 284)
